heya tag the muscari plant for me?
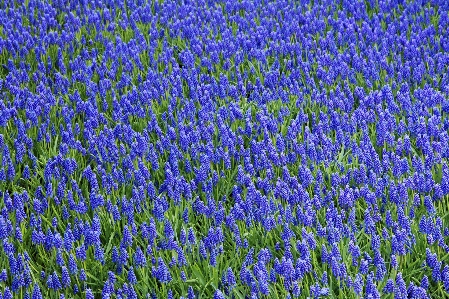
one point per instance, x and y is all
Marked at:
(224, 149)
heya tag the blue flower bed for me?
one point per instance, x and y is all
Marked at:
(224, 149)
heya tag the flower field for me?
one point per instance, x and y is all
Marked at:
(224, 149)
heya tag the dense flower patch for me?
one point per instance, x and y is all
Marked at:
(224, 149)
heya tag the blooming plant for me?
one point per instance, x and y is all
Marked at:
(224, 149)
